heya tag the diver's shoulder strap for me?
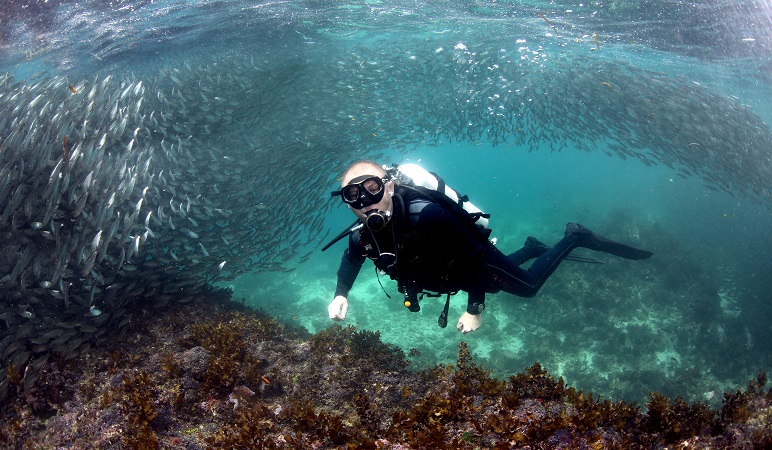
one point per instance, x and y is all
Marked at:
(440, 182)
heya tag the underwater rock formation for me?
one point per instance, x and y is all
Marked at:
(218, 375)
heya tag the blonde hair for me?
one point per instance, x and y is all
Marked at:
(364, 167)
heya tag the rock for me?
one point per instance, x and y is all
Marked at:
(195, 361)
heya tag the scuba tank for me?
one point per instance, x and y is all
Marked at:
(415, 175)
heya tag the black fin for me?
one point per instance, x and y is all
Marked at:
(537, 246)
(587, 239)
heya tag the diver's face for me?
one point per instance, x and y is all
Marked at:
(369, 186)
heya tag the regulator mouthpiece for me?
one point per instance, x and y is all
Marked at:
(377, 220)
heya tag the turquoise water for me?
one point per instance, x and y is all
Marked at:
(620, 329)
(692, 321)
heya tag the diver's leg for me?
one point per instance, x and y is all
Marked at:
(509, 277)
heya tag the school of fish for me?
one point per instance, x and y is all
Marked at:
(123, 191)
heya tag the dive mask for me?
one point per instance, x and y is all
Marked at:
(362, 191)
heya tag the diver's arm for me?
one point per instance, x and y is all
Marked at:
(476, 301)
(349, 268)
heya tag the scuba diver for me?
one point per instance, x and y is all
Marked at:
(430, 240)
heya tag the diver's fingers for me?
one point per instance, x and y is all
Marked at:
(332, 310)
(343, 310)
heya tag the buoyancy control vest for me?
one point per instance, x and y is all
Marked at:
(420, 183)
(416, 186)
(417, 182)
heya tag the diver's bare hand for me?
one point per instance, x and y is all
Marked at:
(338, 308)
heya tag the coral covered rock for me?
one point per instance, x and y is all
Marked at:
(233, 378)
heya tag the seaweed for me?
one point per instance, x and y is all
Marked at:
(737, 407)
(670, 422)
(591, 413)
(469, 390)
(231, 362)
(368, 418)
(135, 397)
(340, 387)
(536, 383)
(471, 380)
(354, 345)
(251, 428)
(323, 425)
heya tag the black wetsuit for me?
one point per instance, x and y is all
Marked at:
(436, 252)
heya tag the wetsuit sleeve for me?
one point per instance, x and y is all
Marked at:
(476, 302)
(349, 268)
